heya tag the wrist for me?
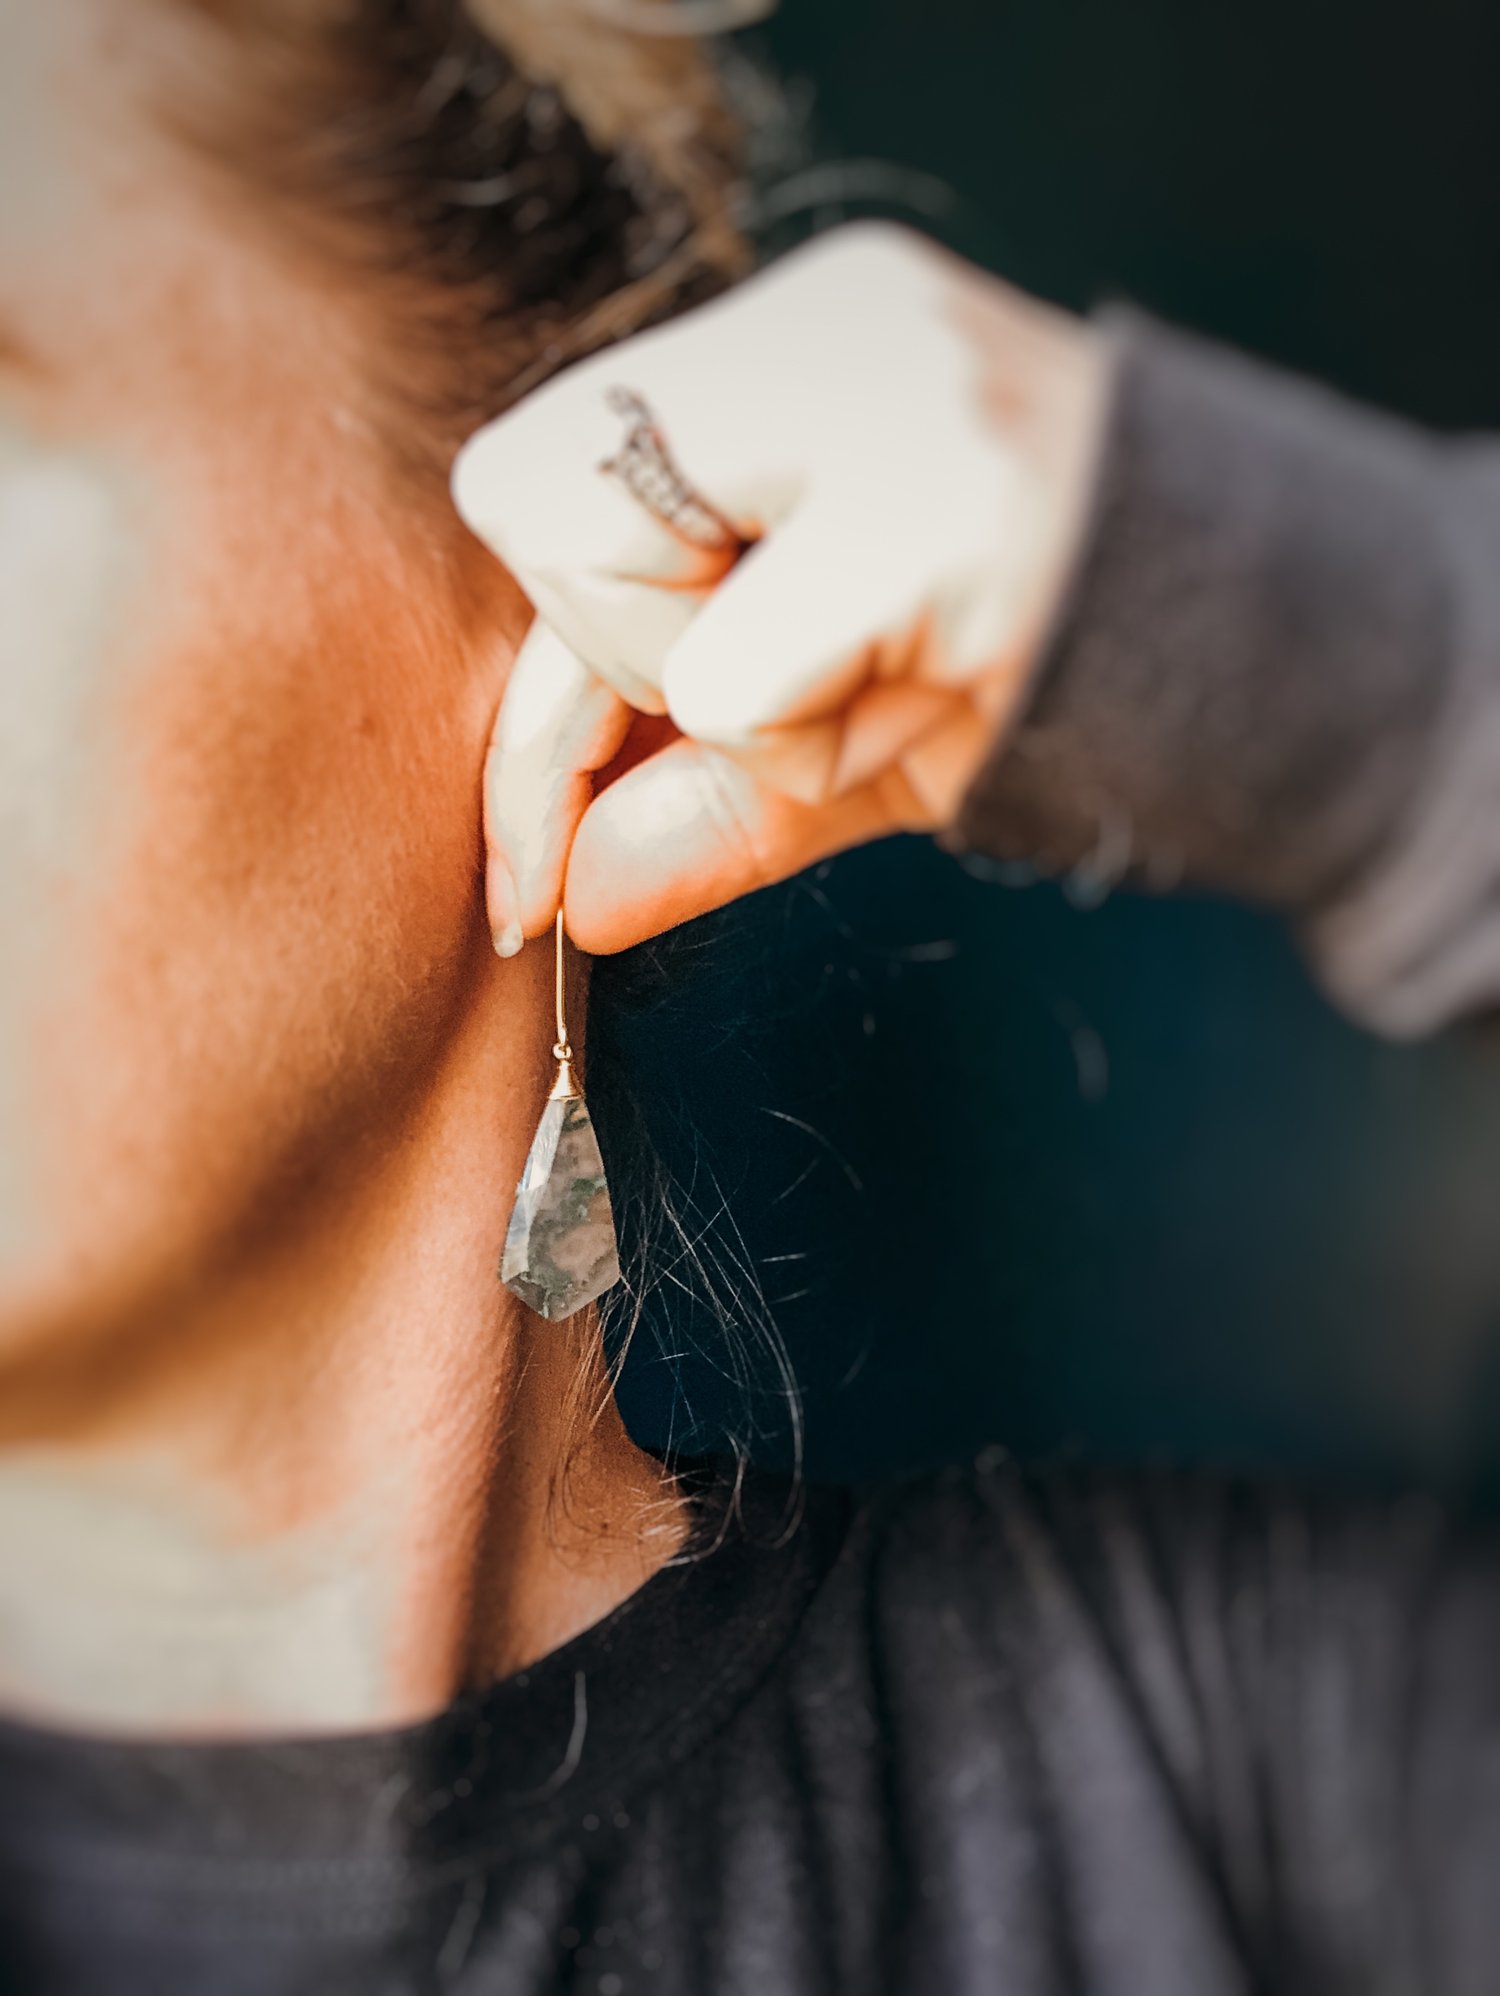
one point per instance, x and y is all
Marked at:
(1045, 386)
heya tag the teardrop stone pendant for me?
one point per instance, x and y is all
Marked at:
(560, 1248)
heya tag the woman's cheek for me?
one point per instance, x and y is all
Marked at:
(70, 559)
(72, 562)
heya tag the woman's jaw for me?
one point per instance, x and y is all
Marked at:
(277, 1447)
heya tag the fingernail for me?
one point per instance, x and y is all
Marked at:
(505, 928)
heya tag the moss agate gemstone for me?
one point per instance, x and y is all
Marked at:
(560, 1250)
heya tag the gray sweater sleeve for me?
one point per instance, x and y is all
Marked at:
(1277, 674)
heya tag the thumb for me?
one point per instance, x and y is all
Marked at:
(690, 829)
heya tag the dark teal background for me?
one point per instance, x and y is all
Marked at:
(1104, 1180)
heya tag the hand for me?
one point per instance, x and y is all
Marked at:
(907, 446)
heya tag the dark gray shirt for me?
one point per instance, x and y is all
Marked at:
(1278, 674)
(985, 1735)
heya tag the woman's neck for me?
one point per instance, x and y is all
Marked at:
(350, 1476)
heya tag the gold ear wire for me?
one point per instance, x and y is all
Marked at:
(565, 1087)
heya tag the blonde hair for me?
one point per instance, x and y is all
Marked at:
(518, 182)
(659, 96)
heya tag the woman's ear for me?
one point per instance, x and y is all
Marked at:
(557, 725)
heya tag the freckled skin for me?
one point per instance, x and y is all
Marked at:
(265, 1087)
(233, 817)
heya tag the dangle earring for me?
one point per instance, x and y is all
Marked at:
(560, 1247)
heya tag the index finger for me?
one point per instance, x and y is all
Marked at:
(557, 724)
